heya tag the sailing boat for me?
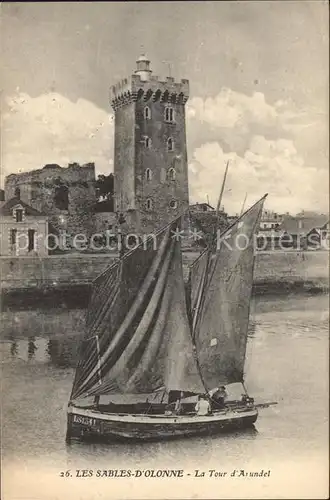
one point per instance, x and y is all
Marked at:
(149, 344)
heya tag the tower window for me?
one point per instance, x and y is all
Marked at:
(173, 204)
(169, 114)
(171, 174)
(147, 113)
(148, 174)
(170, 144)
(17, 192)
(149, 204)
(147, 142)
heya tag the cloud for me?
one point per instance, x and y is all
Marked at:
(232, 118)
(230, 109)
(272, 166)
(262, 141)
(52, 129)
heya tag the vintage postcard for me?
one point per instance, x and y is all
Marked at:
(164, 248)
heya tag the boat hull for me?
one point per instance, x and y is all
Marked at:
(88, 423)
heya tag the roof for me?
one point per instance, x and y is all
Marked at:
(7, 207)
(302, 225)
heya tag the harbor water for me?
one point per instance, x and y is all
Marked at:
(287, 362)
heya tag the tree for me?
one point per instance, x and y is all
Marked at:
(105, 187)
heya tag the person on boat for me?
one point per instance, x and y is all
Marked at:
(203, 406)
(178, 405)
(246, 400)
(220, 397)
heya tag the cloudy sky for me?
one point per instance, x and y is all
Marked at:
(258, 76)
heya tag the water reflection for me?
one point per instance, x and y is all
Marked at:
(252, 328)
(13, 348)
(286, 360)
(149, 451)
(31, 347)
(62, 352)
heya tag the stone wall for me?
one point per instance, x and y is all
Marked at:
(124, 167)
(52, 271)
(274, 269)
(286, 267)
(40, 187)
(160, 189)
(103, 220)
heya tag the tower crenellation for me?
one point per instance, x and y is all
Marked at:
(134, 88)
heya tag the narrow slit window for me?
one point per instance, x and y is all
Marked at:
(147, 113)
(172, 174)
(148, 174)
(147, 142)
(149, 204)
(170, 144)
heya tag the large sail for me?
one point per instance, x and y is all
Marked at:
(221, 286)
(138, 337)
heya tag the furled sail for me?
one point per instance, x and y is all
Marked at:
(221, 286)
(138, 337)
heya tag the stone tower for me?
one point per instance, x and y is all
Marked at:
(150, 159)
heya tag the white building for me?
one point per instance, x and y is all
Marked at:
(23, 229)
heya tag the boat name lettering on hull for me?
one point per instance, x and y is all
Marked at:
(84, 420)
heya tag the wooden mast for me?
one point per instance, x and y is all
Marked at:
(202, 294)
(209, 253)
(243, 206)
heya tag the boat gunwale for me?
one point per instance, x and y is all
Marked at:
(168, 419)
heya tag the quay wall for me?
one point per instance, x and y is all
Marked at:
(52, 271)
(274, 271)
